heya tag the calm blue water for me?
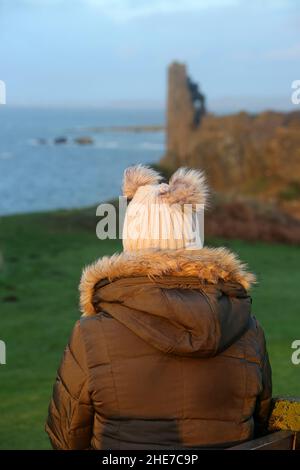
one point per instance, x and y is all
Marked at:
(36, 177)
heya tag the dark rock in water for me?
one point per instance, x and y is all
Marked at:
(41, 141)
(60, 140)
(84, 140)
(133, 129)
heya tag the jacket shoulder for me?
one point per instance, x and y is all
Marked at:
(257, 334)
(259, 331)
(94, 339)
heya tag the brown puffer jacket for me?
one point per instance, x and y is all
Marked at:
(166, 355)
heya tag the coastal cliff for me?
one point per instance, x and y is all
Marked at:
(255, 156)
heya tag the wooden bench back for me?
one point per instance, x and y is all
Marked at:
(284, 427)
(279, 440)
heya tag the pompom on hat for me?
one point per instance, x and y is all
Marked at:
(161, 215)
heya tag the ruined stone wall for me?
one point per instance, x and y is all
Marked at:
(241, 153)
(183, 116)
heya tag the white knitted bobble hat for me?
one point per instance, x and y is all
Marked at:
(160, 215)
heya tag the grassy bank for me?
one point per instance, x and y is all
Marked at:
(43, 256)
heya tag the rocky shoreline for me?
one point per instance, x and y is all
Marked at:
(134, 129)
(88, 140)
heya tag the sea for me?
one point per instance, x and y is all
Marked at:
(37, 173)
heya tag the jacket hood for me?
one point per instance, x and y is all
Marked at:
(183, 302)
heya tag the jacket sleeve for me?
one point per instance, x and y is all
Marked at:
(70, 418)
(263, 403)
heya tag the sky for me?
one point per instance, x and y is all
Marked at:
(245, 54)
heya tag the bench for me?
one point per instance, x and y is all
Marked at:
(283, 427)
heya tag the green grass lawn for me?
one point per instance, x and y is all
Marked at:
(43, 256)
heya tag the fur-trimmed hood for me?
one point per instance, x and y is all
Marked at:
(209, 265)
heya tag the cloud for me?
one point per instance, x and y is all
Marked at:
(125, 10)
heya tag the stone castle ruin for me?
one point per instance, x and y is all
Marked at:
(186, 107)
(244, 154)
